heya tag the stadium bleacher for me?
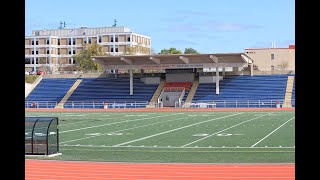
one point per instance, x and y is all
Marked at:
(258, 87)
(293, 103)
(112, 90)
(50, 90)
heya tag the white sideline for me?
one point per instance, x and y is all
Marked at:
(121, 130)
(272, 132)
(174, 130)
(116, 123)
(173, 147)
(224, 130)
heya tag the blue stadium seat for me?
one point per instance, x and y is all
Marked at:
(112, 90)
(258, 87)
(50, 90)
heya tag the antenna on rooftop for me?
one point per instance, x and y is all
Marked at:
(61, 23)
(115, 23)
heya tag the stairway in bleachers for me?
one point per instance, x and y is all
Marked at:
(288, 95)
(188, 98)
(68, 94)
(156, 95)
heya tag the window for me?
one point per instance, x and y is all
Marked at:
(89, 40)
(74, 51)
(272, 56)
(37, 42)
(116, 48)
(27, 61)
(111, 38)
(69, 41)
(128, 39)
(111, 49)
(71, 61)
(116, 38)
(48, 41)
(37, 61)
(48, 51)
(58, 51)
(58, 41)
(74, 41)
(85, 40)
(32, 52)
(32, 42)
(272, 68)
(99, 39)
(69, 51)
(37, 52)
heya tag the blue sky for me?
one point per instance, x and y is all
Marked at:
(209, 26)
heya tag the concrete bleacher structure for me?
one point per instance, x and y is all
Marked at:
(259, 87)
(111, 90)
(50, 91)
(116, 91)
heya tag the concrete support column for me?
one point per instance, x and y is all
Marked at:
(131, 81)
(217, 80)
(251, 69)
(223, 71)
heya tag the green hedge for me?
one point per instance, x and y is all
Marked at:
(30, 78)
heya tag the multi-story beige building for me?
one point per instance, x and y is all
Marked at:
(271, 59)
(54, 49)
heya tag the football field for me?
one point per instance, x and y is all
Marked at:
(195, 137)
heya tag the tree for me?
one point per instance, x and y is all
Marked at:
(283, 65)
(190, 51)
(131, 50)
(170, 51)
(84, 58)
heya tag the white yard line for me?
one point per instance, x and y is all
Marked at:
(224, 130)
(272, 132)
(115, 123)
(121, 130)
(105, 116)
(174, 130)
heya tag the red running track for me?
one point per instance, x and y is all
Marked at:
(69, 170)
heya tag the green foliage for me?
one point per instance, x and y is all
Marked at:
(132, 50)
(170, 51)
(30, 78)
(84, 58)
(190, 51)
